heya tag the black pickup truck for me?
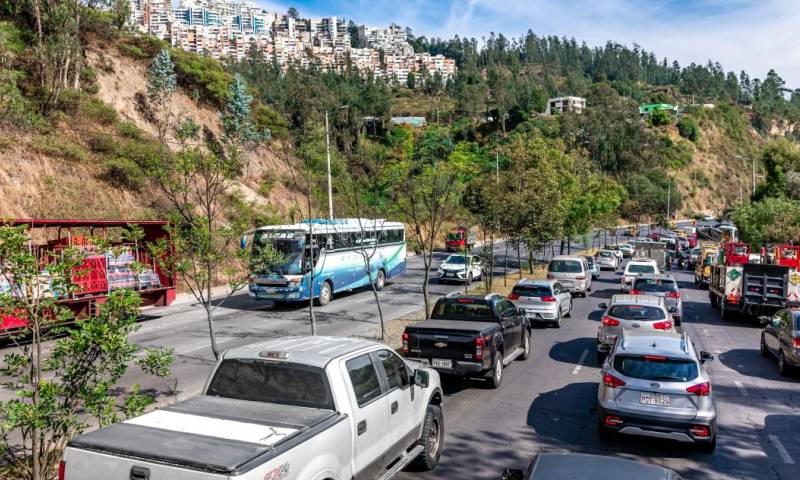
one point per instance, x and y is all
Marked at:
(470, 336)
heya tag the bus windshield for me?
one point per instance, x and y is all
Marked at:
(291, 250)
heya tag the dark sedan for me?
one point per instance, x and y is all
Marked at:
(579, 466)
(781, 339)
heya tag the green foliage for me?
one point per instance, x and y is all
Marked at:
(15, 108)
(102, 143)
(12, 41)
(237, 126)
(124, 172)
(161, 79)
(660, 118)
(671, 153)
(268, 119)
(781, 159)
(98, 111)
(129, 130)
(59, 147)
(202, 74)
(688, 129)
(770, 220)
(61, 391)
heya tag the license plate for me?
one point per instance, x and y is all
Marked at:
(440, 363)
(655, 399)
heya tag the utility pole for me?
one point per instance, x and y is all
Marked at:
(328, 154)
(497, 167)
(741, 195)
(669, 195)
(753, 160)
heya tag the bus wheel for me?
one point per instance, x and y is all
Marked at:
(325, 294)
(380, 282)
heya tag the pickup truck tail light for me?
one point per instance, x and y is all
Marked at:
(610, 322)
(62, 467)
(405, 342)
(481, 344)
(796, 342)
(674, 294)
(701, 389)
(612, 381)
(635, 292)
(513, 296)
(665, 325)
(548, 299)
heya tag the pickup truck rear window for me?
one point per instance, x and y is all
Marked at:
(462, 310)
(657, 368)
(272, 382)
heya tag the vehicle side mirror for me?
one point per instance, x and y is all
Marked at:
(776, 323)
(603, 305)
(706, 357)
(764, 320)
(512, 474)
(421, 378)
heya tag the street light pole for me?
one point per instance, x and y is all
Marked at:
(328, 154)
(669, 195)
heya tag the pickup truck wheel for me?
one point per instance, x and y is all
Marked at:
(325, 294)
(431, 440)
(495, 375)
(526, 345)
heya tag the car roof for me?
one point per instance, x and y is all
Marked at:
(638, 342)
(577, 258)
(636, 300)
(642, 262)
(655, 276)
(316, 351)
(581, 466)
(535, 282)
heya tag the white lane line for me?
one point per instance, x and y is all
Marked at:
(741, 388)
(787, 459)
(580, 362)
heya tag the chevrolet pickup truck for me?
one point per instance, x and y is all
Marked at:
(470, 336)
(295, 408)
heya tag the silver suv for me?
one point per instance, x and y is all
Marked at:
(661, 285)
(656, 385)
(544, 301)
(631, 312)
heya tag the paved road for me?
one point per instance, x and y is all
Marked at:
(548, 403)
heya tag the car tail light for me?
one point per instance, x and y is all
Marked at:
(613, 421)
(62, 467)
(700, 431)
(655, 358)
(796, 342)
(610, 322)
(674, 294)
(580, 277)
(550, 277)
(465, 300)
(701, 389)
(636, 292)
(513, 296)
(548, 299)
(665, 325)
(405, 342)
(612, 381)
(481, 343)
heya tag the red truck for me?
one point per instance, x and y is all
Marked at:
(101, 271)
(461, 238)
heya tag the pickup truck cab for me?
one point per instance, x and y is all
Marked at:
(470, 336)
(295, 408)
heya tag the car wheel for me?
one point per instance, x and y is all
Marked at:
(380, 282)
(431, 440)
(495, 375)
(708, 447)
(764, 350)
(569, 311)
(557, 323)
(783, 367)
(469, 279)
(325, 294)
(526, 345)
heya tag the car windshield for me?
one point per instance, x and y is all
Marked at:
(636, 312)
(271, 382)
(641, 269)
(464, 309)
(655, 367)
(590, 261)
(605, 254)
(456, 259)
(532, 291)
(565, 266)
(454, 236)
(652, 285)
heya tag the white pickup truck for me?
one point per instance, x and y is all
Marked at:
(296, 408)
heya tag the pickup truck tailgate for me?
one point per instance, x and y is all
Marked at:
(439, 339)
(92, 465)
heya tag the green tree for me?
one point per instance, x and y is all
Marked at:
(659, 118)
(161, 83)
(411, 80)
(688, 129)
(61, 391)
(781, 159)
(770, 220)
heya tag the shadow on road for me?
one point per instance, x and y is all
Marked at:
(749, 362)
(571, 350)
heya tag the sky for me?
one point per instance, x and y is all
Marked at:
(754, 35)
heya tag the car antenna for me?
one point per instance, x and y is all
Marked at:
(653, 345)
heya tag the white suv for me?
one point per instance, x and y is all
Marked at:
(460, 268)
(634, 268)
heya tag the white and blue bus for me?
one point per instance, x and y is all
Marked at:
(338, 248)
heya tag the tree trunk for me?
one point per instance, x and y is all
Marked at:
(569, 246)
(561, 249)
(505, 266)
(519, 259)
(210, 315)
(426, 260)
(36, 441)
(377, 301)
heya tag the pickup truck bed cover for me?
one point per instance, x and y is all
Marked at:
(444, 324)
(203, 451)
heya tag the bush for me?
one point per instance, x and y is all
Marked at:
(129, 130)
(688, 129)
(59, 147)
(14, 107)
(266, 118)
(134, 52)
(124, 172)
(203, 74)
(142, 152)
(102, 143)
(660, 118)
(99, 111)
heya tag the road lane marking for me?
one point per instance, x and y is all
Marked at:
(741, 388)
(580, 362)
(787, 459)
